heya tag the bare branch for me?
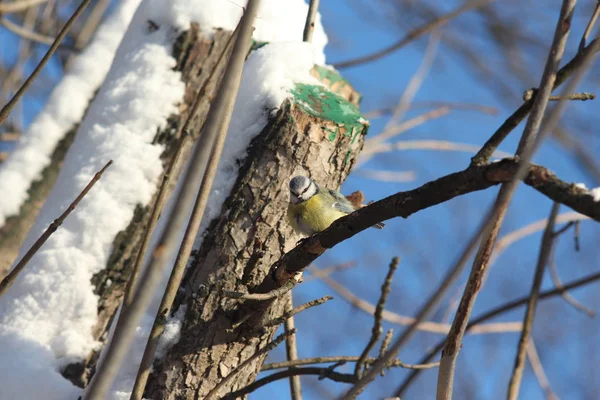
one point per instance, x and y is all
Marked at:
(5, 111)
(425, 326)
(299, 309)
(412, 35)
(9, 279)
(385, 344)
(519, 115)
(544, 256)
(387, 176)
(336, 359)
(309, 26)
(527, 145)
(200, 169)
(276, 342)
(434, 104)
(566, 295)
(583, 96)
(25, 33)
(538, 371)
(404, 204)
(431, 144)
(322, 373)
(377, 317)
(291, 350)
(20, 5)
(175, 278)
(590, 26)
(494, 313)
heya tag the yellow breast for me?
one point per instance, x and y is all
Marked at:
(313, 215)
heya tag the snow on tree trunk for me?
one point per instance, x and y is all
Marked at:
(314, 132)
(196, 58)
(29, 173)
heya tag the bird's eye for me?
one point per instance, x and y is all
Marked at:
(305, 190)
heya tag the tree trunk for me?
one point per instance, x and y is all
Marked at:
(315, 132)
(196, 58)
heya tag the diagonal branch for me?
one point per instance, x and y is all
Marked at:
(6, 109)
(528, 143)
(9, 279)
(494, 313)
(413, 35)
(404, 204)
(521, 113)
(544, 256)
(377, 318)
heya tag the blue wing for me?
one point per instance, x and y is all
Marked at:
(341, 202)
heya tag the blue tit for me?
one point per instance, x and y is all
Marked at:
(313, 208)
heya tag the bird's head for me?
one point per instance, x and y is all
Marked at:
(302, 188)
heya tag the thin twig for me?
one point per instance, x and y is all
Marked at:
(415, 82)
(24, 32)
(36, 71)
(206, 140)
(583, 96)
(378, 113)
(413, 35)
(590, 26)
(430, 144)
(322, 373)
(29, 34)
(521, 113)
(377, 329)
(273, 294)
(291, 350)
(378, 144)
(91, 23)
(512, 237)
(167, 177)
(14, 76)
(391, 128)
(385, 343)
(424, 312)
(16, 6)
(270, 346)
(538, 371)
(544, 256)
(328, 270)
(527, 145)
(386, 176)
(494, 313)
(217, 121)
(309, 26)
(425, 326)
(9, 279)
(9, 136)
(566, 295)
(335, 359)
(296, 310)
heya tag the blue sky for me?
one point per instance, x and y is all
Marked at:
(429, 241)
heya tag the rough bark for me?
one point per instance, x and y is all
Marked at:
(196, 57)
(15, 229)
(243, 243)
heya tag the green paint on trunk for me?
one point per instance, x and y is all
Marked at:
(330, 75)
(256, 45)
(321, 103)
